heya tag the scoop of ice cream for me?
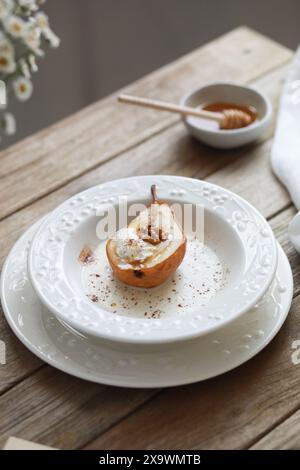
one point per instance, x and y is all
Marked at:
(132, 248)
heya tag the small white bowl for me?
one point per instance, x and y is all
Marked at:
(239, 246)
(209, 132)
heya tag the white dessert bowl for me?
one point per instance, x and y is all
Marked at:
(236, 236)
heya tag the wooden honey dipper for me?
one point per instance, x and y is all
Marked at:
(227, 119)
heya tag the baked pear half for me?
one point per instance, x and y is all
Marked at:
(150, 249)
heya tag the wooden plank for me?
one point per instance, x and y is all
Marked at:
(57, 155)
(251, 177)
(188, 416)
(286, 436)
(77, 410)
(181, 155)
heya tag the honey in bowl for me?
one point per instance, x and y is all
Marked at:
(219, 107)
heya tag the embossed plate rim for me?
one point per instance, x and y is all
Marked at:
(83, 315)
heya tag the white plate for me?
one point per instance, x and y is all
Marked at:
(138, 365)
(236, 234)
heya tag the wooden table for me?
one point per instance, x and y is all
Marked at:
(254, 406)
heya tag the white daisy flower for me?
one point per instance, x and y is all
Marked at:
(24, 68)
(32, 40)
(9, 124)
(32, 63)
(7, 62)
(24, 34)
(15, 26)
(42, 20)
(6, 46)
(43, 23)
(54, 40)
(23, 88)
(31, 4)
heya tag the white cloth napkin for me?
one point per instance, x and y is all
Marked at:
(286, 147)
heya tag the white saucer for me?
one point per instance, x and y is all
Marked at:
(137, 365)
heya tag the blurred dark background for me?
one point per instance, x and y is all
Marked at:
(106, 44)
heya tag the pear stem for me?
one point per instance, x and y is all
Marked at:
(154, 193)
